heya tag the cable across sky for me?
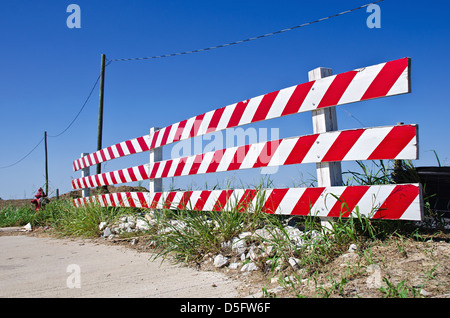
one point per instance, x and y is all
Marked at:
(185, 53)
(246, 40)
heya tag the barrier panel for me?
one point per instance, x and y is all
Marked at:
(399, 201)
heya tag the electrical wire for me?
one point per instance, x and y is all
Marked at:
(79, 112)
(246, 40)
(184, 53)
(29, 153)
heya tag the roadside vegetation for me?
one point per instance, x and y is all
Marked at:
(350, 257)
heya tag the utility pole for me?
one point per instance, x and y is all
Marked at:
(46, 163)
(100, 110)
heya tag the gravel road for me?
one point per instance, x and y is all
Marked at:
(63, 268)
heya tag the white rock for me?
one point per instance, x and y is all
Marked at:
(253, 253)
(107, 232)
(243, 235)
(142, 225)
(225, 245)
(263, 234)
(101, 226)
(27, 227)
(220, 261)
(268, 251)
(238, 246)
(234, 265)
(249, 267)
(294, 262)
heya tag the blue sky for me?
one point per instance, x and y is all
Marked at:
(47, 71)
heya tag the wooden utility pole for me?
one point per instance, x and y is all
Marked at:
(100, 110)
(46, 163)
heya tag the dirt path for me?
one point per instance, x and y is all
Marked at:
(46, 267)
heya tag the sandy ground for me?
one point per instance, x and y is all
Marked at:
(47, 267)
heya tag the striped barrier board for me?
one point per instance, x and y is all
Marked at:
(393, 202)
(382, 80)
(390, 142)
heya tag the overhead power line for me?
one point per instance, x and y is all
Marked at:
(29, 153)
(79, 112)
(62, 132)
(246, 40)
(184, 53)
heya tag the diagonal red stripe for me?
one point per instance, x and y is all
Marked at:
(169, 200)
(154, 170)
(217, 157)
(215, 119)
(237, 113)
(266, 153)
(222, 200)
(184, 202)
(394, 142)
(142, 200)
(307, 200)
(179, 130)
(397, 202)
(195, 127)
(154, 203)
(274, 200)
(180, 167)
(143, 172)
(130, 146)
(165, 136)
(301, 148)
(386, 78)
(166, 169)
(337, 89)
(247, 198)
(296, 100)
(342, 145)
(238, 157)
(202, 200)
(142, 143)
(154, 138)
(347, 201)
(264, 106)
(196, 164)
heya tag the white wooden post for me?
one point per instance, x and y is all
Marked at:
(325, 119)
(155, 155)
(85, 172)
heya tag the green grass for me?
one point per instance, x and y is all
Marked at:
(190, 235)
(16, 216)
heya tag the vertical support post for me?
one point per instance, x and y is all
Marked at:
(85, 172)
(325, 119)
(46, 163)
(155, 155)
(100, 110)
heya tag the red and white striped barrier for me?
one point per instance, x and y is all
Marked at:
(391, 142)
(394, 142)
(395, 202)
(120, 199)
(385, 79)
(121, 149)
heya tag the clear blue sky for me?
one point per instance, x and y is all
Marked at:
(47, 71)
